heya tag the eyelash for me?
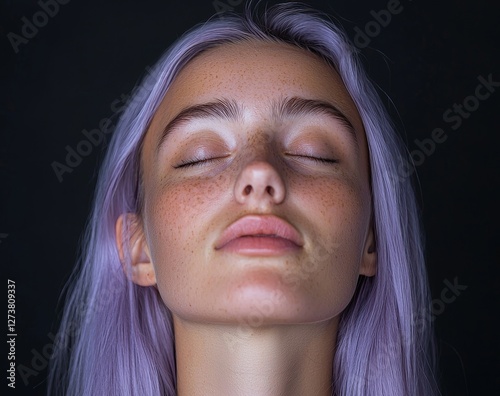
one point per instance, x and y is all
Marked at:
(319, 159)
(199, 161)
(196, 161)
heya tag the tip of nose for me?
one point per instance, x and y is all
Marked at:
(260, 181)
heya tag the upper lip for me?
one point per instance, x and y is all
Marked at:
(262, 225)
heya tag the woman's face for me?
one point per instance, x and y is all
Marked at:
(267, 110)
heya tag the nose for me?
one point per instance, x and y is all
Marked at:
(259, 185)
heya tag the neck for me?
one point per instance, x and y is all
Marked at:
(277, 360)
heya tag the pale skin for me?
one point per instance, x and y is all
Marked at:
(256, 325)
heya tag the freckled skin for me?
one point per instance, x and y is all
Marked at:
(187, 209)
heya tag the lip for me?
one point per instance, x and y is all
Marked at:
(269, 234)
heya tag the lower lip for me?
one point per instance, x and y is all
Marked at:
(254, 245)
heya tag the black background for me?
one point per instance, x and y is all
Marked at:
(65, 79)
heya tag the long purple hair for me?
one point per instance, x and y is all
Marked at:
(116, 338)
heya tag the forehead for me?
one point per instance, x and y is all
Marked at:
(259, 71)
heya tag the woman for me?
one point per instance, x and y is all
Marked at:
(250, 233)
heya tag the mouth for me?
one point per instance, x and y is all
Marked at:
(260, 235)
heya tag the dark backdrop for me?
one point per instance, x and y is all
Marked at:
(78, 65)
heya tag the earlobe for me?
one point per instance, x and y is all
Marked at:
(133, 250)
(368, 265)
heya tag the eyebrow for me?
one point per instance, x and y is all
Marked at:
(285, 108)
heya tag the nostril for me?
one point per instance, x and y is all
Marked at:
(270, 190)
(248, 189)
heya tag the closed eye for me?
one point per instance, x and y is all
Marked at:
(196, 161)
(317, 159)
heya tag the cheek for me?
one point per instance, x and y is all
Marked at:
(338, 208)
(176, 222)
(174, 209)
(171, 242)
(346, 221)
(338, 217)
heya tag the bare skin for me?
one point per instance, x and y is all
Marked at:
(262, 324)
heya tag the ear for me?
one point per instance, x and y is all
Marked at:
(368, 265)
(133, 250)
